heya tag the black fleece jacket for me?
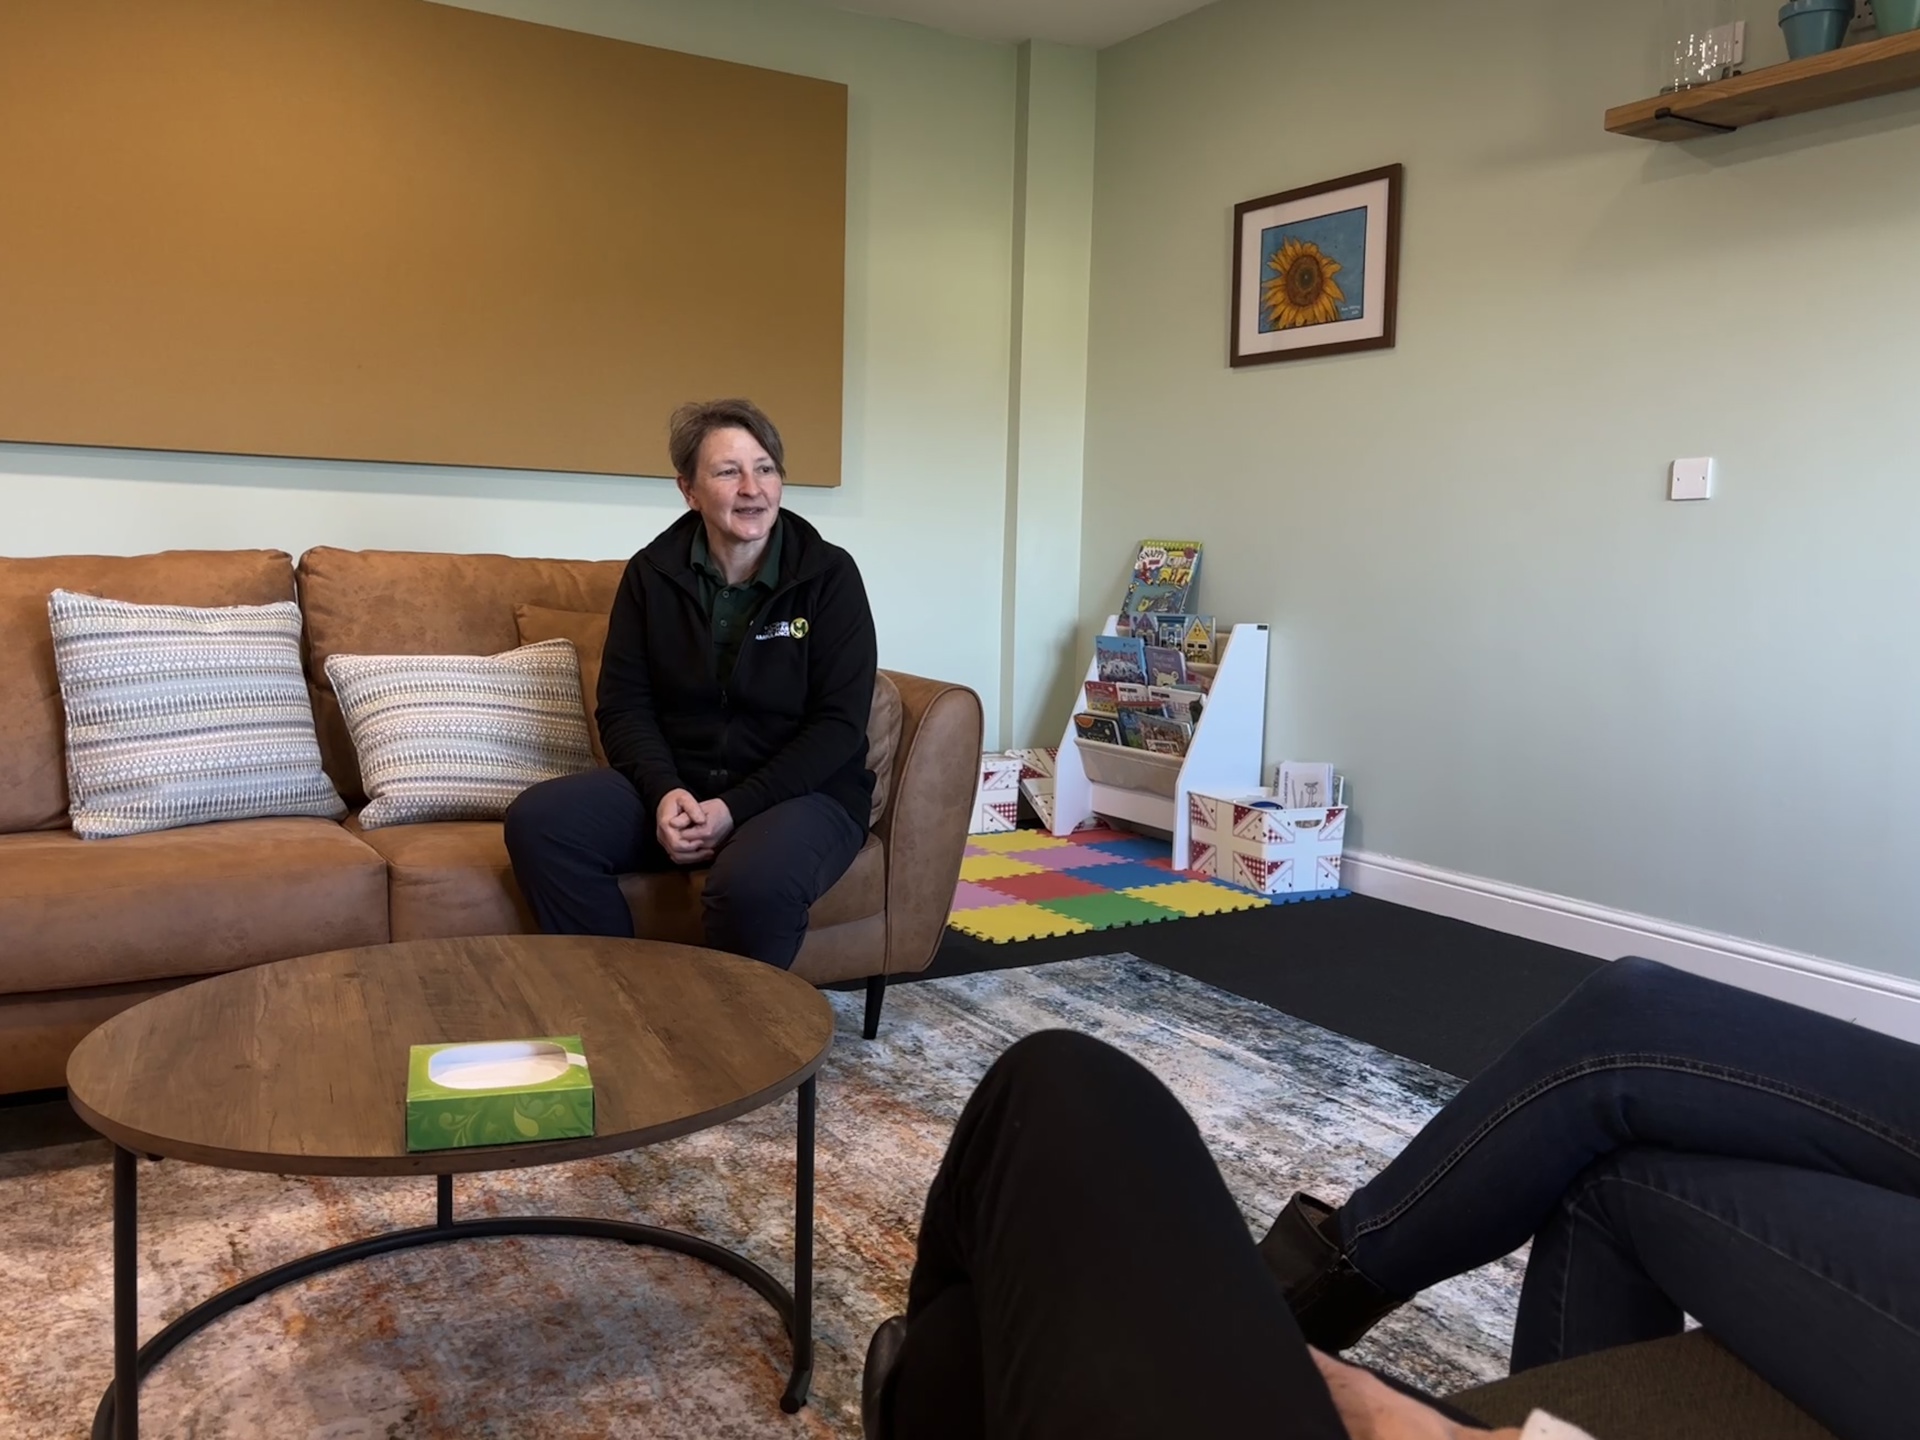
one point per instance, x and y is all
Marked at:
(790, 720)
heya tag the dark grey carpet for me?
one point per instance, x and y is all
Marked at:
(1445, 993)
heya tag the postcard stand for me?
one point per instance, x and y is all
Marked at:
(1141, 788)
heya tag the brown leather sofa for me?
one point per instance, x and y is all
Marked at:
(90, 927)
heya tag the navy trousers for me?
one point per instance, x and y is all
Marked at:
(571, 839)
(1674, 1145)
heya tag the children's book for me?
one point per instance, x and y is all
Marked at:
(1101, 697)
(1088, 726)
(1163, 736)
(1165, 665)
(1167, 629)
(1177, 703)
(1196, 637)
(1130, 730)
(1164, 572)
(1305, 785)
(1120, 657)
(1138, 700)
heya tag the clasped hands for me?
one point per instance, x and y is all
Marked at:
(691, 830)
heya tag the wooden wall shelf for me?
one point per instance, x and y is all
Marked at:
(1855, 72)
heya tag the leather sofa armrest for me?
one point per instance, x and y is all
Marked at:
(936, 770)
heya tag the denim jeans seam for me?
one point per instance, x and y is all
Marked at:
(1566, 1280)
(1627, 1061)
(1727, 1224)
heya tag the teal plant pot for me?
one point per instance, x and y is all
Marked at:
(1813, 27)
(1896, 17)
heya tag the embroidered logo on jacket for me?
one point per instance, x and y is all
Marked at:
(784, 630)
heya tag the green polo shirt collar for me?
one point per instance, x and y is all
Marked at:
(731, 608)
(767, 576)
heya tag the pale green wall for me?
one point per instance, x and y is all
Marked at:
(929, 246)
(1040, 663)
(1535, 667)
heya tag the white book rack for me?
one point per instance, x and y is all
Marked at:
(1137, 786)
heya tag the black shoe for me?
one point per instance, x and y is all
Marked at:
(882, 1351)
(1334, 1303)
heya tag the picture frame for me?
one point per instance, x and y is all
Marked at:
(1316, 271)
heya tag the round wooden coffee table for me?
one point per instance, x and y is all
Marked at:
(300, 1068)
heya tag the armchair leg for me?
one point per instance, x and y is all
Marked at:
(876, 994)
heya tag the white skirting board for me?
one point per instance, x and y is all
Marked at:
(1881, 1002)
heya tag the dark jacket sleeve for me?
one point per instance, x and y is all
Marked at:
(629, 731)
(840, 681)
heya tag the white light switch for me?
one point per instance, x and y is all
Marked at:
(1691, 479)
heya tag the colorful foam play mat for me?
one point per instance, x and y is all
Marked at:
(1024, 884)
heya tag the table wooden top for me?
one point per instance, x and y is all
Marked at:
(300, 1067)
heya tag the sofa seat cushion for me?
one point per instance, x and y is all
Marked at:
(454, 878)
(448, 878)
(193, 901)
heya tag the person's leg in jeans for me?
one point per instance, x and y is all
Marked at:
(1747, 1249)
(570, 840)
(770, 871)
(1645, 1057)
(1084, 1271)
(1639, 1055)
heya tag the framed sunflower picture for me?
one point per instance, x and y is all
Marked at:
(1315, 270)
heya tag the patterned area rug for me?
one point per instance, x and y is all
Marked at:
(1025, 884)
(576, 1338)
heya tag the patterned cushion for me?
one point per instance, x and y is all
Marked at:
(456, 737)
(588, 632)
(180, 716)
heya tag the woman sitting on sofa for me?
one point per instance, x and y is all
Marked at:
(734, 699)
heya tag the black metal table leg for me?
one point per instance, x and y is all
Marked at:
(802, 1330)
(117, 1416)
(126, 1295)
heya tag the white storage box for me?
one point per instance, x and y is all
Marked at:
(1250, 841)
(1039, 767)
(996, 803)
(1036, 781)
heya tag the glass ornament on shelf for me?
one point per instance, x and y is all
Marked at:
(1696, 48)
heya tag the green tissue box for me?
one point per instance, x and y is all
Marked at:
(498, 1092)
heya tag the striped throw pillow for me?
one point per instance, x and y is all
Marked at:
(456, 737)
(181, 716)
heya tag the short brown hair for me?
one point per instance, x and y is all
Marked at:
(687, 431)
